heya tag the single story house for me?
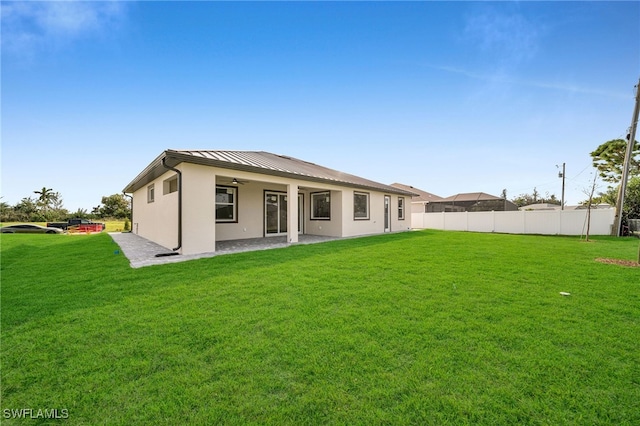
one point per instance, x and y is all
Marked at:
(421, 200)
(471, 202)
(187, 200)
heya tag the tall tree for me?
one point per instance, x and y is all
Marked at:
(56, 201)
(6, 212)
(80, 213)
(45, 197)
(609, 157)
(115, 206)
(610, 196)
(27, 210)
(632, 200)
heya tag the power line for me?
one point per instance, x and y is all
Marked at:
(582, 171)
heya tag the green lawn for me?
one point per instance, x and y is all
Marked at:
(418, 328)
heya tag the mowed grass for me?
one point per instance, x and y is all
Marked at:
(421, 328)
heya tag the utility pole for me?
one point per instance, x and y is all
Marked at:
(562, 174)
(631, 141)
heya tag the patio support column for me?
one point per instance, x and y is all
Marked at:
(199, 206)
(292, 213)
(213, 215)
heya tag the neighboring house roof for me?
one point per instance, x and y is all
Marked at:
(472, 201)
(542, 206)
(547, 206)
(593, 206)
(421, 195)
(256, 162)
(471, 196)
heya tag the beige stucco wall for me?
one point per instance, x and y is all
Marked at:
(375, 224)
(158, 221)
(396, 223)
(417, 206)
(332, 227)
(250, 215)
(198, 212)
(251, 197)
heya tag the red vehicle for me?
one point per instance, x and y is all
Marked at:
(78, 225)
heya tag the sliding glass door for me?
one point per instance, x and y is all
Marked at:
(275, 208)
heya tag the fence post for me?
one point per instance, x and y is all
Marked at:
(561, 212)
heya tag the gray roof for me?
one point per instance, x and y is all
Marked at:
(541, 206)
(421, 195)
(256, 162)
(472, 196)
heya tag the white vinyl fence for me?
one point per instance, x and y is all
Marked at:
(547, 222)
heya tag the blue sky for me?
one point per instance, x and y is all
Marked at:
(448, 97)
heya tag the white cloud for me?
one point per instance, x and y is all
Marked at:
(27, 26)
(508, 37)
(501, 78)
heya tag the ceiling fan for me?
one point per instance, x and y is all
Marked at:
(235, 181)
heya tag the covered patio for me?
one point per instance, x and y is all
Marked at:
(142, 252)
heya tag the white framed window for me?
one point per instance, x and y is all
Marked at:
(400, 208)
(226, 204)
(321, 205)
(151, 193)
(360, 205)
(170, 185)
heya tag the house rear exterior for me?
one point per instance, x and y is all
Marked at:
(188, 200)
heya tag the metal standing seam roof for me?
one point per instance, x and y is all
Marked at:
(421, 195)
(257, 162)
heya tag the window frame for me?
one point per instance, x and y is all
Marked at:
(234, 204)
(367, 195)
(151, 193)
(402, 206)
(167, 185)
(313, 201)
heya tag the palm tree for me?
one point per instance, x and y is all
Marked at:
(45, 197)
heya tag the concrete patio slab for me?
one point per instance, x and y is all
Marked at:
(142, 252)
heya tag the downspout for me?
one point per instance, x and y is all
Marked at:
(179, 202)
(131, 200)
